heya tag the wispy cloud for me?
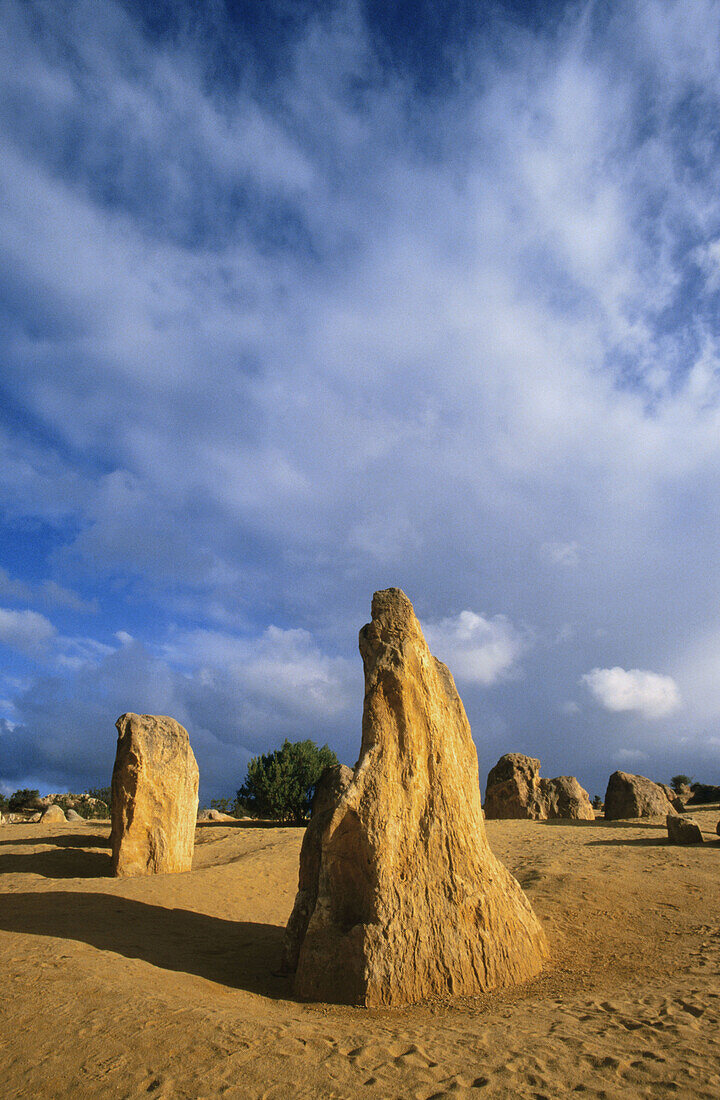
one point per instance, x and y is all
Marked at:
(27, 631)
(275, 335)
(47, 594)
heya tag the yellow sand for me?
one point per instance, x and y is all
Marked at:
(164, 986)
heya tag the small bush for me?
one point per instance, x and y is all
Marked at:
(281, 784)
(24, 799)
(680, 782)
(597, 802)
(101, 793)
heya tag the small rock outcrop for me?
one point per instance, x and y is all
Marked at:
(630, 796)
(703, 793)
(154, 797)
(515, 790)
(673, 797)
(410, 902)
(53, 813)
(331, 786)
(215, 815)
(683, 830)
(73, 815)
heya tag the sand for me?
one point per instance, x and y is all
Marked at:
(165, 986)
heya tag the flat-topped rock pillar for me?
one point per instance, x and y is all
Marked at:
(154, 797)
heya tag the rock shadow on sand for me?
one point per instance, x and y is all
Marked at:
(59, 862)
(61, 840)
(238, 954)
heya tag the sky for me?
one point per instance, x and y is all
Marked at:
(303, 300)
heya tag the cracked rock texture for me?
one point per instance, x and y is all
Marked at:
(515, 790)
(630, 796)
(332, 784)
(411, 903)
(154, 797)
(683, 830)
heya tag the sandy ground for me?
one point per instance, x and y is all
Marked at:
(164, 986)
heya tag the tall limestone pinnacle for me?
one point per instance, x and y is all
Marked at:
(411, 903)
(154, 797)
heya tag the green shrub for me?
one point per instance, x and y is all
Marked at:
(280, 785)
(597, 802)
(678, 782)
(24, 799)
(102, 793)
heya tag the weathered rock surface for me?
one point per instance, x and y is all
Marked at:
(411, 902)
(515, 790)
(53, 813)
(331, 786)
(629, 796)
(154, 797)
(683, 830)
(73, 815)
(673, 797)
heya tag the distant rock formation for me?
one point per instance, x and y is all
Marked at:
(703, 793)
(214, 815)
(515, 790)
(330, 788)
(154, 797)
(630, 796)
(683, 830)
(93, 807)
(411, 902)
(53, 813)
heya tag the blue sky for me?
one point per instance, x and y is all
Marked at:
(298, 301)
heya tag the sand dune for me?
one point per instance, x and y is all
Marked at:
(165, 986)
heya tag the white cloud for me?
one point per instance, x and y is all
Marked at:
(477, 649)
(570, 707)
(476, 331)
(561, 553)
(280, 670)
(630, 756)
(649, 693)
(27, 631)
(74, 653)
